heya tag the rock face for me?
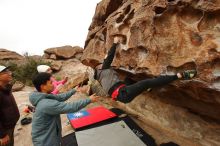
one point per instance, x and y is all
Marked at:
(9, 55)
(65, 52)
(76, 72)
(164, 37)
(56, 65)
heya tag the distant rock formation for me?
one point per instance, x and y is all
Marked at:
(9, 55)
(164, 37)
(65, 52)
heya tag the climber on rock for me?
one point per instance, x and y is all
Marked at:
(119, 90)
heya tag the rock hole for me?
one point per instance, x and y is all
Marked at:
(210, 22)
(196, 39)
(120, 18)
(129, 17)
(170, 1)
(186, 66)
(104, 32)
(190, 15)
(159, 10)
(127, 10)
(212, 51)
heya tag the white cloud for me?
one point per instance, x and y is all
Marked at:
(35, 25)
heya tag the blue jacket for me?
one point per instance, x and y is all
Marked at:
(46, 125)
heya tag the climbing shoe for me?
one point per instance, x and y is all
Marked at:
(188, 74)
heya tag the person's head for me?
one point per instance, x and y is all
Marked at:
(44, 68)
(5, 76)
(43, 83)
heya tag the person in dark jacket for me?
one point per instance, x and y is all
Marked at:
(119, 90)
(9, 113)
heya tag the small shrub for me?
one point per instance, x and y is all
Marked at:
(26, 71)
(58, 78)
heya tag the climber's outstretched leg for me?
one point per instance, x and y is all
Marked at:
(128, 93)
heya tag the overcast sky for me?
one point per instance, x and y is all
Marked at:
(35, 25)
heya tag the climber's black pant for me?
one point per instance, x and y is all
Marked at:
(129, 92)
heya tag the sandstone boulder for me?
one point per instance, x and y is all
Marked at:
(9, 55)
(76, 72)
(165, 37)
(18, 86)
(56, 65)
(65, 52)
